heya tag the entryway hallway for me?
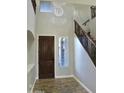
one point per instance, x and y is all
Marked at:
(70, 52)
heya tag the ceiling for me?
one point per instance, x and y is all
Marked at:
(87, 2)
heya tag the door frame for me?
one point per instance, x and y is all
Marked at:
(37, 49)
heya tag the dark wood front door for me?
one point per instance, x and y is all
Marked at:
(46, 57)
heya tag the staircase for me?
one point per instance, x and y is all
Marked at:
(87, 41)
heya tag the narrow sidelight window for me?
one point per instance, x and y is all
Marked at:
(63, 52)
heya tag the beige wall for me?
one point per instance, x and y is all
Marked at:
(30, 17)
(31, 68)
(92, 26)
(30, 47)
(49, 24)
(82, 12)
(31, 59)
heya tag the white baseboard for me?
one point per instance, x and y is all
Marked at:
(68, 76)
(37, 78)
(33, 85)
(89, 91)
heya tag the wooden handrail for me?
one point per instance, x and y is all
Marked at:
(87, 41)
(90, 38)
(85, 23)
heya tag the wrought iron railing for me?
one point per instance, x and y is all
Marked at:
(87, 42)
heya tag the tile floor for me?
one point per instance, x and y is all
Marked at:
(64, 85)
